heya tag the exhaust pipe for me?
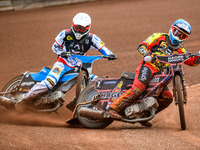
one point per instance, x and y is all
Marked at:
(90, 113)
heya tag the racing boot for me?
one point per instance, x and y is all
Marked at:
(29, 98)
(111, 113)
(124, 100)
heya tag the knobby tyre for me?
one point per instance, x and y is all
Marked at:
(12, 85)
(86, 95)
(82, 82)
(179, 94)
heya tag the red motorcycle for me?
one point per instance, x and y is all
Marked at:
(96, 97)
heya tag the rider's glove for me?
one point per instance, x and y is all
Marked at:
(112, 57)
(65, 54)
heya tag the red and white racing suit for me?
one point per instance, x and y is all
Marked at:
(156, 44)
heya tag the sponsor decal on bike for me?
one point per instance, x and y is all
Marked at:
(155, 80)
(72, 61)
(116, 92)
(109, 82)
(24, 90)
(175, 59)
(27, 83)
(108, 95)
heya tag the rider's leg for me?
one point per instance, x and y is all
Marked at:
(164, 99)
(143, 75)
(44, 86)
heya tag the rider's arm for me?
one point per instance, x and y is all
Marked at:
(99, 45)
(193, 61)
(144, 47)
(57, 47)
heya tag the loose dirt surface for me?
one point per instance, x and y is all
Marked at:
(26, 40)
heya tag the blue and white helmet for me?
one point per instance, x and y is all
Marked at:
(179, 31)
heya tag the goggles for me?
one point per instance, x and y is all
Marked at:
(179, 33)
(79, 28)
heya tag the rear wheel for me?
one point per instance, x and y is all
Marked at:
(180, 100)
(87, 95)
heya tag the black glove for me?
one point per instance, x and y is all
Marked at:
(112, 57)
(65, 54)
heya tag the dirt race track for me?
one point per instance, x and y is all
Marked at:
(26, 38)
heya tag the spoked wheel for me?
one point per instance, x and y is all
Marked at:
(82, 82)
(180, 101)
(87, 95)
(12, 86)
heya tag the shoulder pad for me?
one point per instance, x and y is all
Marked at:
(154, 36)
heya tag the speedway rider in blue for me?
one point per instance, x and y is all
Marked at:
(76, 40)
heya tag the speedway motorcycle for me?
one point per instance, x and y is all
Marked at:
(14, 90)
(95, 98)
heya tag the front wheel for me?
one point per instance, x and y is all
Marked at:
(82, 82)
(180, 100)
(87, 95)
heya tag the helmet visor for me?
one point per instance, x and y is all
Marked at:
(179, 33)
(79, 28)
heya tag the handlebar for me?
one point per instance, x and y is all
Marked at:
(110, 57)
(175, 58)
(68, 54)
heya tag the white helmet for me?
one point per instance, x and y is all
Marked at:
(81, 25)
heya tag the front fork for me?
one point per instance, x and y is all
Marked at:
(183, 89)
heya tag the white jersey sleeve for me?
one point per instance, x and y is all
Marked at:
(98, 44)
(57, 47)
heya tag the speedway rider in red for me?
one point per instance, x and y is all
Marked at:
(77, 40)
(156, 44)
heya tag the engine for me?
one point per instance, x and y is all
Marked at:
(138, 110)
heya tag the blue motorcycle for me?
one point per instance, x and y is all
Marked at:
(14, 90)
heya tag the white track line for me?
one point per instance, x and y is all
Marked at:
(193, 85)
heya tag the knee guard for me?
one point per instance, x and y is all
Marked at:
(56, 72)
